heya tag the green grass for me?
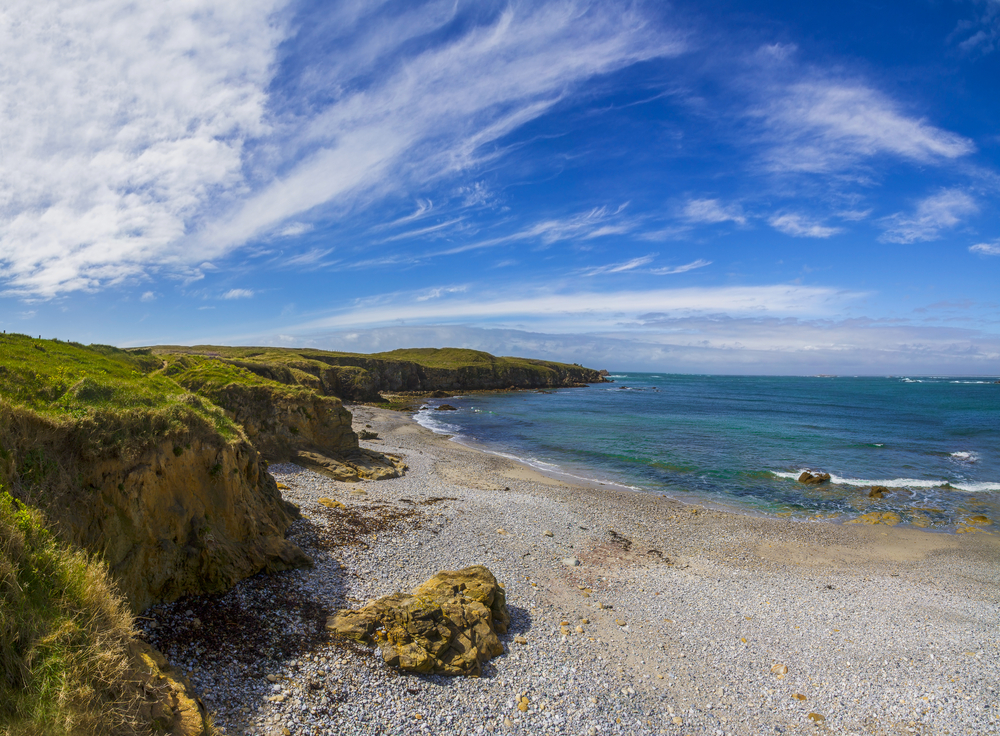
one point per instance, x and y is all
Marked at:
(64, 634)
(116, 399)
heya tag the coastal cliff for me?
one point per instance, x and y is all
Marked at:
(357, 377)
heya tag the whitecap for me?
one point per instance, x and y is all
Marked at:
(981, 487)
(968, 457)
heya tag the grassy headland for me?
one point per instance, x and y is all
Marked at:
(123, 475)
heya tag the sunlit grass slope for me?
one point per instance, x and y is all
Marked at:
(64, 635)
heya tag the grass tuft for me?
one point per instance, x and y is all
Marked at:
(64, 635)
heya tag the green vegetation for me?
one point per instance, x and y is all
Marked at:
(64, 635)
(117, 401)
(359, 377)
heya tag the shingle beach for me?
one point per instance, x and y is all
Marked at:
(639, 614)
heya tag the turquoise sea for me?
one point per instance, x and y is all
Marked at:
(743, 441)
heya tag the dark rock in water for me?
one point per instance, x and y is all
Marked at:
(441, 395)
(448, 625)
(878, 492)
(814, 479)
(445, 407)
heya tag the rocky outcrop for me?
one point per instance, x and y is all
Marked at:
(280, 421)
(361, 464)
(814, 479)
(878, 492)
(448, 625)
(167, 699)
(190, 514)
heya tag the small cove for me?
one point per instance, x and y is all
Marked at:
(742, 441)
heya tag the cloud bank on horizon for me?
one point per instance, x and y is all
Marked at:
(736, 188)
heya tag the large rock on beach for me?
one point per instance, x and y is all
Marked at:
(814, 479)
(878, 492)
(448, 625)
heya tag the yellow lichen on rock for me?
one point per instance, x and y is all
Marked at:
(889, 518)
(331, 504)
(448, 625)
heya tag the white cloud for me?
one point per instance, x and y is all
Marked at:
(700, 344)
(700, 263)
(148, 296)
(437, 110)
(986, 249)
(636, 265)
(128, 127)
(595, 223)
(981, 35)
(582, 309)
(121, 121)
(826, 126)
(294, 229)
(238, 294)
(629, 265)
(711, 211)
(800, 226)
(933, 214)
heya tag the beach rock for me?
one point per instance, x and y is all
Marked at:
(167, 699)
(447, 625)
(331, 504)
(445, 407)
(779, 669)
(978, 520)
(878, 492)
(358, 465)
(571, 562)
(441, 395)
(814, 479)
(889, 518)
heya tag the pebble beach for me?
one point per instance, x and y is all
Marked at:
(630, 613)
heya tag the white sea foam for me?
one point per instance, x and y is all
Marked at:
(982, 487)
(426, 418)
(968, 457)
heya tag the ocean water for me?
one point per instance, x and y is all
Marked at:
(742, 441)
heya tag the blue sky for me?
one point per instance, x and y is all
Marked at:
(715, 187)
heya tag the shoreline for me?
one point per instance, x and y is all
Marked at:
(723, 505)
(686, 609)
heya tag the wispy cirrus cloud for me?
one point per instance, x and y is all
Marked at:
(986, 249)
(637, 265)
(932, 215)
(712, 211)
(825, 126)
(238, 294)
(542, 305)
(149, 137)
(980, 35)
(802, 226)
(444, 103)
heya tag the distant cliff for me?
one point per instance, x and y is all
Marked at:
(358, 377)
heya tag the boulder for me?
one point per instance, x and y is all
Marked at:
(361, 464)
(813, 479)
(878, 492)
(448, 625)
(445, 407)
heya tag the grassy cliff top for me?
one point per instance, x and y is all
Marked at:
(447, 358)
(120, 396)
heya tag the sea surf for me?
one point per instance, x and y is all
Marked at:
(933, 443)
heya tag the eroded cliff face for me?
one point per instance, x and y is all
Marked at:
(278, 424)
(301, 426)
(192, 514)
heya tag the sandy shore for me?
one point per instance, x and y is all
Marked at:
(689, 616)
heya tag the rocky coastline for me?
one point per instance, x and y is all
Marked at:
(629, 614)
